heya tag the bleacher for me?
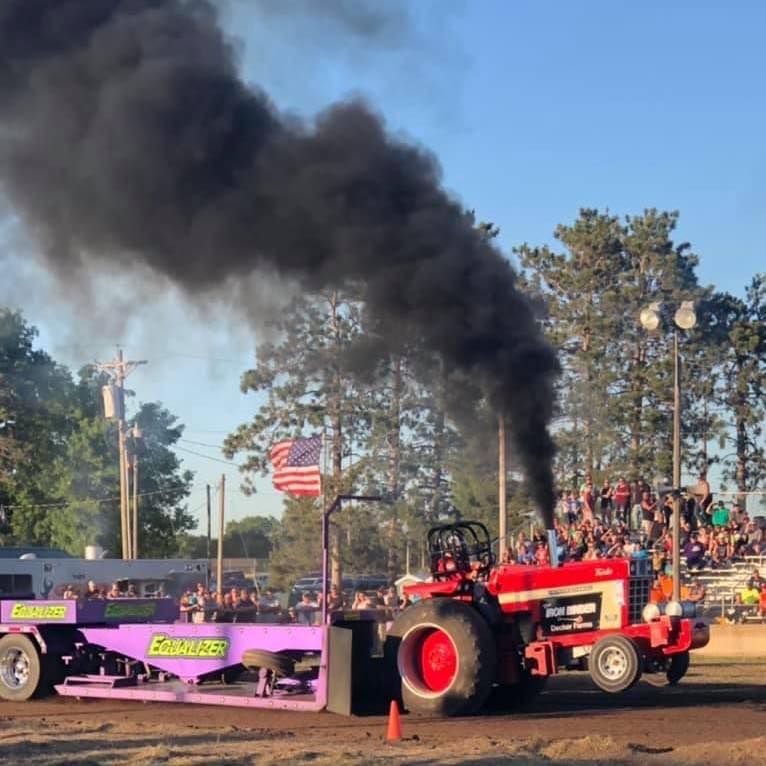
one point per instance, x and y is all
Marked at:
(722, 587)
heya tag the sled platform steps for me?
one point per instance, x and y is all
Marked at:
(101, 681)
(235, 695)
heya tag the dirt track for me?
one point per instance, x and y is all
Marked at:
(718, 715)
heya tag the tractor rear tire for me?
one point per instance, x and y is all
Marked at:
(20, 668)
(615, 664)
(445, 656)
(281, 664)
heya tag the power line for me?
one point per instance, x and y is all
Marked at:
(200, 444)
(176, 487)
(209, 457)
(198, 508)
(202, 431)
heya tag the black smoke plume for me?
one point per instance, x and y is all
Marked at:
(127, 135)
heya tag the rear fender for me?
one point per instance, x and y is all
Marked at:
(429, 589)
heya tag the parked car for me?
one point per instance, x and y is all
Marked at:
(234, 578)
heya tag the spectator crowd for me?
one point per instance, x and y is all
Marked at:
(629, 519)
(620, 520)
(243, 605)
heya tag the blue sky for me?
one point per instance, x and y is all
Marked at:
(535, 109)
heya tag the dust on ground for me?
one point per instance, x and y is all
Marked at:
(717, 716)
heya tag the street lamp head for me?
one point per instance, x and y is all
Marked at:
(650, 317)
(685, 317)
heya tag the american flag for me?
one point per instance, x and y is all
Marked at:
(296, 466)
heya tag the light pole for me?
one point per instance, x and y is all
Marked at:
(684, 319)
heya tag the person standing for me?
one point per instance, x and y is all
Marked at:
(606, 499)
(622, 500)
(667, 510)
(636, 495)
(648, 508)
(587, 499)
(306, 609)
(704, 498)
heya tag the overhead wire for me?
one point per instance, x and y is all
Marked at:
(209, 457)
(64, 504)
(200, 444)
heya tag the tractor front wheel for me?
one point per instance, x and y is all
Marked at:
(615, 664)
(445, 655)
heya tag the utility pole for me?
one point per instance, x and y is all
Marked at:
(118, 370)
(207, 487)
(501, 491)
(219, 563)
(124, 521)
(134, 543)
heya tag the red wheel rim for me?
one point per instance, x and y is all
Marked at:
(438, 661)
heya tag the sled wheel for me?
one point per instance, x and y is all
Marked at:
(445, 656)
(614, 664)
(281, 664)
(20, 668)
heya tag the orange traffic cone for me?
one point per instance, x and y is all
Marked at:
(394, 733)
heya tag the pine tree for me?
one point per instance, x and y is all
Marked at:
(615, 391)
(742, 386)
(309, 377)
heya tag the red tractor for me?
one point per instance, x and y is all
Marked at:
(477, 627)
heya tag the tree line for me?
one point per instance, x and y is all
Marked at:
(59, 467)
(384, 417)
(385, 421)
(615, 403)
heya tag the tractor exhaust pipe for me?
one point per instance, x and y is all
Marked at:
(553, 547)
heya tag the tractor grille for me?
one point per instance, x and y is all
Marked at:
(639, 588)
(639, 592)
